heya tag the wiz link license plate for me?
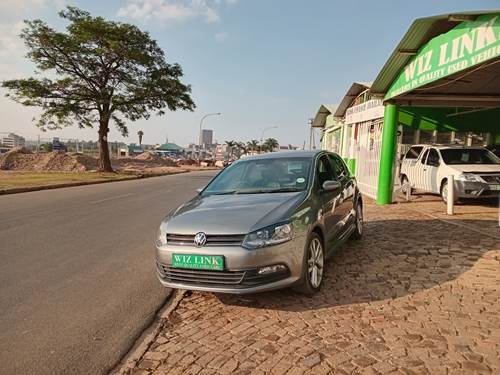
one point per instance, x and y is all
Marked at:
(198, 262)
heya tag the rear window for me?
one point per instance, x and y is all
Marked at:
(413, 152)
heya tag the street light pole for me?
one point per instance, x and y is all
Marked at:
(201, 123)
(262, 135)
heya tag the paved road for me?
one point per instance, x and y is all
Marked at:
(77, 281)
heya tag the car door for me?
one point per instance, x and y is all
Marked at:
(328, 215)
(430, 171)
(418, 172)
(344, 205)
(410, 161)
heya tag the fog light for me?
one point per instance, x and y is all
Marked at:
(271, 269)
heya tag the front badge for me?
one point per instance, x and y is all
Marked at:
(200, 239)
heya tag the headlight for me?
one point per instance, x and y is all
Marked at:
(160, 238)
(272, 235)
(469, 177)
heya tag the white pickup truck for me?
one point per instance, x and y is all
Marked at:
(476, 170)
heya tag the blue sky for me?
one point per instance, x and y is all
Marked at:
(259, 62)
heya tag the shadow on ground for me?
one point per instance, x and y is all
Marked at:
(395, 258)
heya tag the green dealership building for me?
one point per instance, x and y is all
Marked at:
(440, 85)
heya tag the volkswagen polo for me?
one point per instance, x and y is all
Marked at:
(263, 223)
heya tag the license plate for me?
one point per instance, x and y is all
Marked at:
(198, 262)
(494, 187)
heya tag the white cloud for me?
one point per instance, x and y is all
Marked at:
(221, 37)
(173, 10)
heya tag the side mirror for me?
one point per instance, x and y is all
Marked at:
(199, 190)
(331, 185)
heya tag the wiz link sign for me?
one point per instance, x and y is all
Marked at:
(468, 44)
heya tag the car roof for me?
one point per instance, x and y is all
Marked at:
(285, 154)
(444, 146)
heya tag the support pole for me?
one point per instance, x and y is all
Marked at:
(450, 199)
(387, 155)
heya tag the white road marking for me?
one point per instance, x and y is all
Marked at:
(111, 198)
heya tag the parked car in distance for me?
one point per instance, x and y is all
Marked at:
(263, 223)
(475, 170)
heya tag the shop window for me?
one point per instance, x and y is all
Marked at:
(408, 136)
(443, 137)
(426, 137)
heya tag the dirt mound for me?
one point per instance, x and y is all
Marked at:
(22, 160)
(147, 159)
(148, 155)
(187, 162)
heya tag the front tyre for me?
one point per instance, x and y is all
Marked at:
(313, 266)
(358, 222)
(444, 192)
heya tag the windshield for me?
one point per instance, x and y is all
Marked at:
(469, 156)
(262, 176)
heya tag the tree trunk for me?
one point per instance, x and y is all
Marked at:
(104, 161)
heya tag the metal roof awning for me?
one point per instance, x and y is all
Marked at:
(351, 94)
(324, 111)
(445, 60)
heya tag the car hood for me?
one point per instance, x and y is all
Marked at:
(475, 168)
(232, 214)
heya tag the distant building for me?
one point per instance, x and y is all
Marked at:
(207, 137)
(169, 149)
(11, 140)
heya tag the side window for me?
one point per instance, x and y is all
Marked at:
(424, 156)
(340, 170)
(432, 158)
(413, 152)
(323, 170)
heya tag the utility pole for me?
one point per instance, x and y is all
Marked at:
(311, 135)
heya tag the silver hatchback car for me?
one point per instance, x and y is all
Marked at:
(263, 223)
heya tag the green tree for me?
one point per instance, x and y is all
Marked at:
(230, 146)
(253, 145)
(140, 133)
(270, 144)
(99, 71)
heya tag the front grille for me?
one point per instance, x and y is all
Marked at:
(234, 279)
(212, 239)
(188, 276)
(492, 179)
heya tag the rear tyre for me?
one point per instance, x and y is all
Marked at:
(358, 223)
(314, 260)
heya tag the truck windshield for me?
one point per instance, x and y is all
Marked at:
(468, 156)
(255, 176)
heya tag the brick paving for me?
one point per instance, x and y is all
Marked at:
(415, 296)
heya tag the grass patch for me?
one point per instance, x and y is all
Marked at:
(13, 180)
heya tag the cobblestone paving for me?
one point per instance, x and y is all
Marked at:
(415, 296)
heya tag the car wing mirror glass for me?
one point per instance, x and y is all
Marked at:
(331, 185)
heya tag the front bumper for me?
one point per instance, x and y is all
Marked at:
(240, 268)
(471, 189)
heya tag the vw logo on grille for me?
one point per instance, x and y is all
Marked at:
(200, 239)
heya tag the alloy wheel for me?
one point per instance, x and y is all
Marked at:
(315, 262)
(359, 219)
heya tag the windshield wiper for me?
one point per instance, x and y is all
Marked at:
(264, 191)
(224, 192)
(284, 190)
